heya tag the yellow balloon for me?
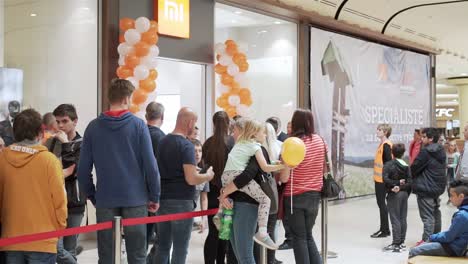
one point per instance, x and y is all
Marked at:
(293, 151)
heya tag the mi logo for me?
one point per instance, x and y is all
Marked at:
(173, 17)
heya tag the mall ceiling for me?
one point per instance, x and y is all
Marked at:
(443, 27)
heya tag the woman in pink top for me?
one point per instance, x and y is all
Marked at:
(303, 187)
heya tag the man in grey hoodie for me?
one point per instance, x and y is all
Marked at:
(461, 171)
(429, 181)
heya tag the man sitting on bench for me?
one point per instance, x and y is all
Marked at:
(454, 241)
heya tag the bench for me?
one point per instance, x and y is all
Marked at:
(437, 260)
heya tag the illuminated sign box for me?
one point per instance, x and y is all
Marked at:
(173, 17)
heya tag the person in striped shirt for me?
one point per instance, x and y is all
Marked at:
(303, 188)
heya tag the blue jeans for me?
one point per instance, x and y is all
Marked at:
(135, 236)
(301, 221)
(27, 257)
(66, 247)
(174, 234)
(244, 224)
(428, 249)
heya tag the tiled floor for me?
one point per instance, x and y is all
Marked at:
(350, 224)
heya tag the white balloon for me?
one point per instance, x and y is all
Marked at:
(243, 110)
(150, 62)
(225, 60)
(233, 69)
(121, 60)
(141, 72)
(142, 24)
(220, 48)
(123, 49)
(134, 81)
(234, 100)
(222, 88)
(241, 79)
(132, 36)
(154, 51)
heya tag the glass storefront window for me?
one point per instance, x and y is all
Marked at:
(271, 49)
(48, 55)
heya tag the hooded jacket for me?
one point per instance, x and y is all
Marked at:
(429, 171)
(32, 196)
(126, 171)
(393, 172)
(455, 240)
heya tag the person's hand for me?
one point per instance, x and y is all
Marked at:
(396, 189)
(69, 171)
(225, 202)
(210, 173)
(202, 226)
(153, 207)
(61, 136)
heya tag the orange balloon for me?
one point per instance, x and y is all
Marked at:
(244, 93)
(247, 102)
(134, 108)
(244, 67)
(139, 96)
(153, 25)
(150, 37)
(142, 49)
(234, 91)
(126, 24)
(132, 60)
(231, 49)
(226, 79)
(239, 58)
(121, 38)
(231, 111)
(148, 85)
(153, 74)
(230, 42)
(124, 72)
(235, 85)
(222, 101)
(220, 69)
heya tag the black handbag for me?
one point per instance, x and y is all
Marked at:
(270, 188)
(330, 188)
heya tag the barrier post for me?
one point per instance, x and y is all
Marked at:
(117, 239)
(263, 255)
(324, 230)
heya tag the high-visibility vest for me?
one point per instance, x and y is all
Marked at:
(378, 161)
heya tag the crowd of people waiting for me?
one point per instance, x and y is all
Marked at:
(141, 171)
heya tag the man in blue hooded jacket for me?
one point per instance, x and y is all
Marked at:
(453, 242)
(118, 144)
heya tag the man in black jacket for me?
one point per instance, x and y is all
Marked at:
(429, 180)
(66, 145)
(6, 126)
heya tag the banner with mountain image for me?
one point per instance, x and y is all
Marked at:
(356, 85)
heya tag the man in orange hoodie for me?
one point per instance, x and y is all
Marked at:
(32, 194)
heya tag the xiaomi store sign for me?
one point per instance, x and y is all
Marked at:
(173, 17)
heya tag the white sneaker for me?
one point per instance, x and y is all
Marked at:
(265, 241)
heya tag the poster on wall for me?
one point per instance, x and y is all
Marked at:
(11, 89)
(356, 85)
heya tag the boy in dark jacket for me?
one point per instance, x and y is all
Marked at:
(396, 176)
(454, 241)
(428, 173)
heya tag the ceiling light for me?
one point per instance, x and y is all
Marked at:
(454, 100)
(33, 14)
(262, 32)
(254, 46)
(233, 21)
(238, 12)
(277, 22)
(437, 105)
(441, 85)
(463, 74)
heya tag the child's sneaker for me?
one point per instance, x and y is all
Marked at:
(391, 247)
(265, 241)
(217, 220)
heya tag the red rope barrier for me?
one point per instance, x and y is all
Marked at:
(102, 226)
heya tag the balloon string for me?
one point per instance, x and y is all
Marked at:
(292, 182)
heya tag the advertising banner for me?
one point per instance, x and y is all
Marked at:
(356, 85)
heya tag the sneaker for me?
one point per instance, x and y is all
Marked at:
(217, 220)
(403, 247)
(391, 247)
(287, 244)
(380, 234)
(397, 249)
(265, 241)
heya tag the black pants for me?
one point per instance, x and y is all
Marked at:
(271, 231)
(380, 193)
(397, 204)
(216, 250)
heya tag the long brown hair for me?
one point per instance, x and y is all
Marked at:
(302, 123)
(215, 154)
